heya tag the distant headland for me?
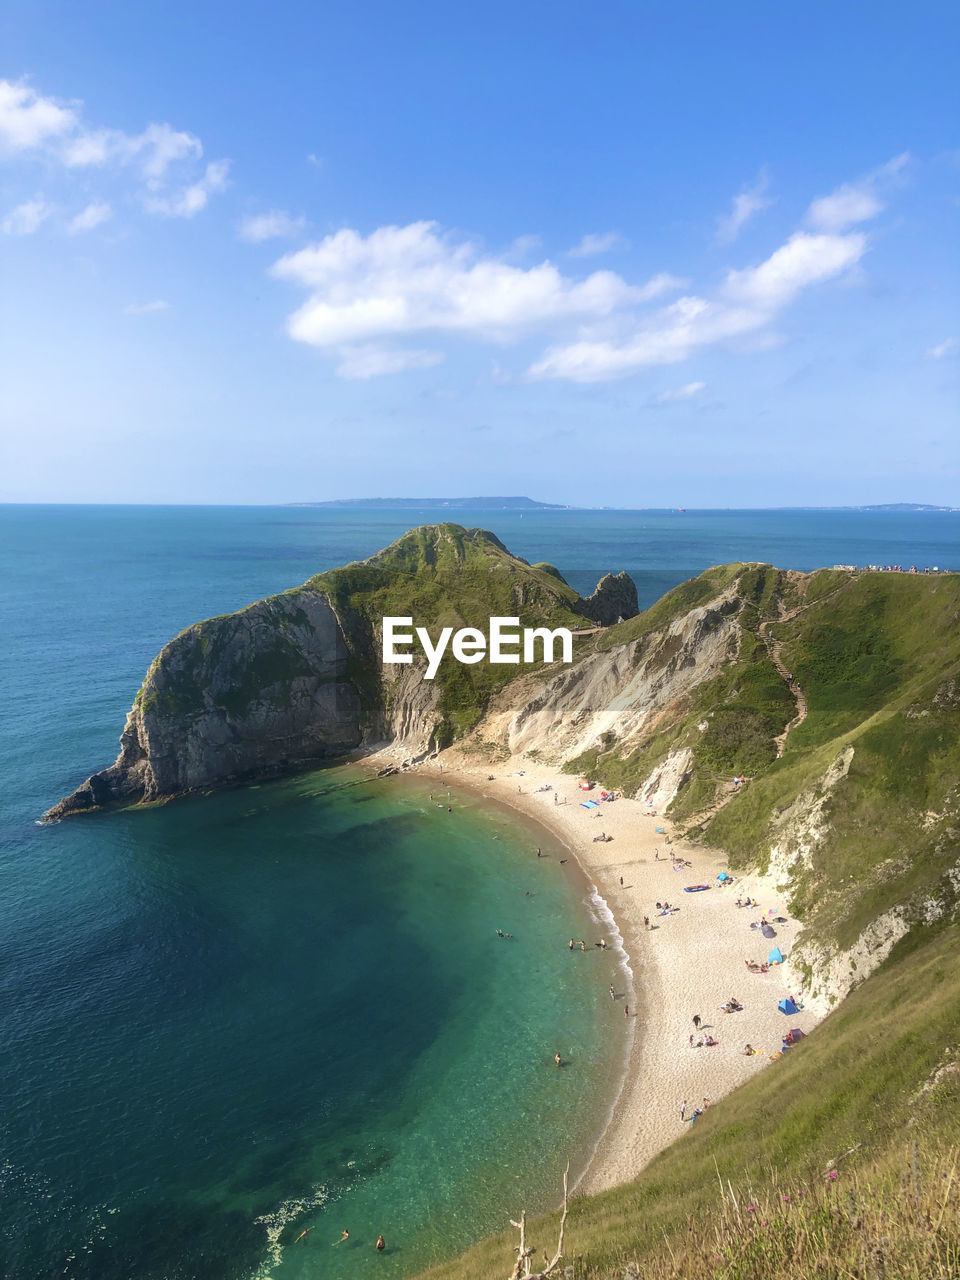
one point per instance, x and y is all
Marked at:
(438, 504)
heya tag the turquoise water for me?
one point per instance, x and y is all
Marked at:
(231, 1018)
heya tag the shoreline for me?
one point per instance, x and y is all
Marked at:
(687, 963)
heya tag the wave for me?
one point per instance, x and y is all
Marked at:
(275, 1223)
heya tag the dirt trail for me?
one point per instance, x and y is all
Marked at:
(726, 791)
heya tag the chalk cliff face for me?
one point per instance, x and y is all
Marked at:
(618, 692)
(236, 697)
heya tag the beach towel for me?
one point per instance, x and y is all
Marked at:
(589, 804)
(660, 831)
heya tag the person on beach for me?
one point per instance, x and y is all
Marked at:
(539, 854)
(613, 994)
(305, 1232)
(696, 1021)
(626, 1011)
(646, 922)
(381, 1244)
(571, 944)
(683, 1109)
(583, 945)
(621, 882)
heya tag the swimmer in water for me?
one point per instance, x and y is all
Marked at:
(381, 1243)
(304, 1232)
(345, 1236)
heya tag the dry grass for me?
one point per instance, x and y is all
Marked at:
(897, 1220)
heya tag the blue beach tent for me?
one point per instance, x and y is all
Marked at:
(723, 876)
(775, 956)
(786, 1005)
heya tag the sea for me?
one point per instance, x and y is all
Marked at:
(287, 1008)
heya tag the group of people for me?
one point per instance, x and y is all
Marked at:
(344, 1235)
(697, 1111)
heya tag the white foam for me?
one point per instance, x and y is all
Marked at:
(275, 1222)
(602, 915)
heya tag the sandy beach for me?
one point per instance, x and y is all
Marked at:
(689, 962)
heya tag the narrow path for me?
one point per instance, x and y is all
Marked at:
(773, 648)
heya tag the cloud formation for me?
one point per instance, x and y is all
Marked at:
(162, 159)
(686, 392)
(856, 202)
(269, 226)
(26, 218)
(747, 302)
(92, 216)
(400, 281)
(750, 201)
(597, 243)
(945, 348)
(368, 295)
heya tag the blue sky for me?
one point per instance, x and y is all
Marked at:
(638, 254)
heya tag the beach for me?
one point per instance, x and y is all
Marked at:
(688, 962)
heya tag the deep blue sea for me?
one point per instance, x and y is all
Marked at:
(283, 1007)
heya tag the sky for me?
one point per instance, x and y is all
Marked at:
(624, 254)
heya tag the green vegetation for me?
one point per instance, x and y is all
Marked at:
(874, 1092)
(878, 657)
(446, 576)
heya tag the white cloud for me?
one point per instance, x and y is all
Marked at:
(188, 202)
(27, 120)
(686, 392)
(25, 219)
(751, 201)
(858, 201)
(747, 302)
(366, 291)
(269, 226)
(92, 216)
(371, 361)
(406, 280)
(945, 348)
(163, 159)
(153, 152)
(804, 260)
(146, 308)
(595, 243)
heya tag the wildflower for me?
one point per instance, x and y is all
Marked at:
(765, 1222)
(786, 1199)
(832, 1175)
(751, 1208)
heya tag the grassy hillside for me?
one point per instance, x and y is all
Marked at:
(875, 1091)
(878, 657)
(447, 576)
